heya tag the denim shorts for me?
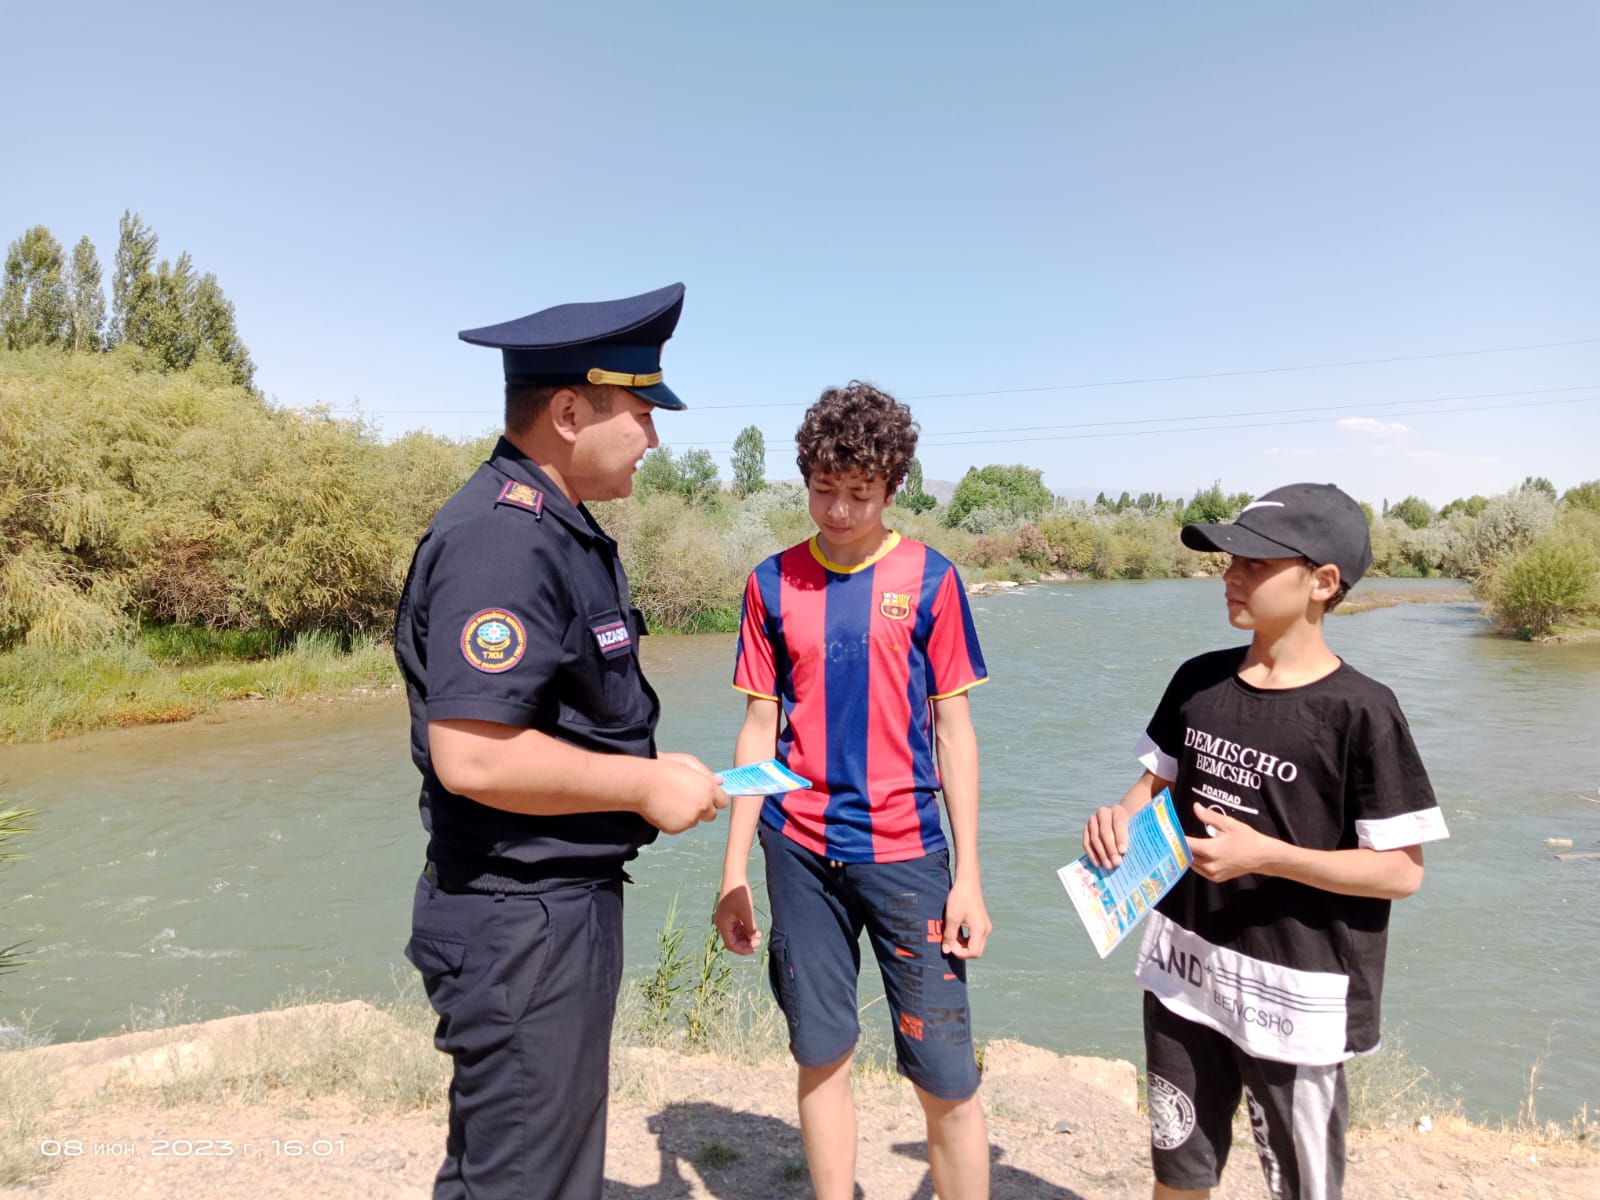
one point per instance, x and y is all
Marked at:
(819, 908)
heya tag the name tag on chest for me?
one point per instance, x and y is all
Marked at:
(613, 637)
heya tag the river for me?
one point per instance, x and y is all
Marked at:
(242, 860)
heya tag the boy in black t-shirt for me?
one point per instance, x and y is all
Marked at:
(1305, 805)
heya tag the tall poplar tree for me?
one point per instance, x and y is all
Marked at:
(86, 303)
(33, 298)
(136, 256)
(749, 461)
(911, 495)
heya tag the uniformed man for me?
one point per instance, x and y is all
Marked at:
(534, 729)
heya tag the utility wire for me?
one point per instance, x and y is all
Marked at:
(1104, 383)
(927, 436)
(1068, 437)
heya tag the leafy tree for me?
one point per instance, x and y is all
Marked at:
(33, 298)
(136, 256)
(1100, 501)
(1538, 483)
(912, 497)
(169, 312)
(1212, 506)
(657, 473)
(1584, 495)
(86, 303)
(749, 462)
(1414, 511)
(1016, 490)
(1473, 506)
(211, 314)
(699, 478)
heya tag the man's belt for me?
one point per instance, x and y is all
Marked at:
(500, 881)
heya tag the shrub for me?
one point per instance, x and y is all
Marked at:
(1507, 525)
(986, 520)
(1557, 577)
(1109, 556)
(1034, 549)
(1071, 538)
(991, 550)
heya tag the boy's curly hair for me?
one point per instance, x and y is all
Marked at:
(857, 427)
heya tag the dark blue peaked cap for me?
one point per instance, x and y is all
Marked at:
(611, 341)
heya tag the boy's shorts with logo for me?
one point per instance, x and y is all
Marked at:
(1196, 1077)
(819, 908)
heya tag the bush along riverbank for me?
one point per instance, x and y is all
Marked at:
(151, 518)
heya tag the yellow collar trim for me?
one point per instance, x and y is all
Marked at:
(622, 379)
(889, 543)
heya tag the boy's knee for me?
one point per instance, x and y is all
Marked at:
(943, 1108)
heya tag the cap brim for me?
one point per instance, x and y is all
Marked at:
(660, 395)
(1235, 539)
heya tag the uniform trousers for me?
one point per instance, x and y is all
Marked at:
(525, 986)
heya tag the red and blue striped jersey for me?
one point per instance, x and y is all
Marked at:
(855, 656)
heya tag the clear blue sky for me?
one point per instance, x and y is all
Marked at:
(941, 198)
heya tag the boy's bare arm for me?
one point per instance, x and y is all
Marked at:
(1237, 849)
(958, 772)
(735, 917)
(1105, 837)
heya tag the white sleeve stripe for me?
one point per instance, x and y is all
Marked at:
(1155, 760)
(1407, 829)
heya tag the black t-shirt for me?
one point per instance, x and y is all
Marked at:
(517, 611)
(1288, 971)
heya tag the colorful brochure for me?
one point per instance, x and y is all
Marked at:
(1110, 902)
(770, 778)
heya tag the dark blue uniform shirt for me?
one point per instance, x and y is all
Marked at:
(516, 611)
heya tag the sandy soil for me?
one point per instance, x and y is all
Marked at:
(696, 1126)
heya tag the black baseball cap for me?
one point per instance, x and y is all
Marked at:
(1314, 521)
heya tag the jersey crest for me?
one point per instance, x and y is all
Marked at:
(895, 605)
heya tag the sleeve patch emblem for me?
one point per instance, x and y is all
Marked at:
(895, 605)
(494, 641)
(521, 495)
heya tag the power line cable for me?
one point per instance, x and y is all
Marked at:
(1105, 383)
(927, 436)
(1063, 387)
(783, 447)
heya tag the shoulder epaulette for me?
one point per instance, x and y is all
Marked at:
(521, 495)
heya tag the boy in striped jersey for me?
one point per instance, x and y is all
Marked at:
(856, 651)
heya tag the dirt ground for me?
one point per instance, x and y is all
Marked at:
(691, 1126)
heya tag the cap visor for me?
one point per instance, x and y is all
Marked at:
(660, 395)
(1235, 539)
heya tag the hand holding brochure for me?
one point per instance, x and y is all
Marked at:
(1110, 902)
(770, 778)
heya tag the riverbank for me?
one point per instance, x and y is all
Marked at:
(45, 695)
(347, 1101)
